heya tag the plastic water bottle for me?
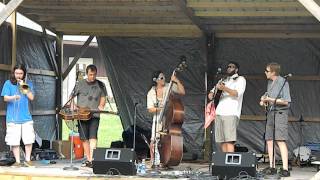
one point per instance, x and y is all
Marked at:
(143, 167)
(156, 157)
(138, 168)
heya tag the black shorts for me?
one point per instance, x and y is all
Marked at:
(89, 129)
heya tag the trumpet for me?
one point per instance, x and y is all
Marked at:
(23, 87)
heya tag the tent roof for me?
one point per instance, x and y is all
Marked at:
(170, 18)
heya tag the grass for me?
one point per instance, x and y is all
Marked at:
(110, 129)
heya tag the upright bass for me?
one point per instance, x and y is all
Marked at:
(172, 116)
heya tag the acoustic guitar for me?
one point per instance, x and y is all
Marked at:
(210, 111)
(82, 113)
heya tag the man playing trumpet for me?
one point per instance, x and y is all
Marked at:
(17, 93)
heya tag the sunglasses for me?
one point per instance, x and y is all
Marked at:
(231, 66)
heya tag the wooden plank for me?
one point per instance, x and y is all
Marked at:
(265, 28)
(181, 4)
(136, 34)
(160, 31)
(113, 12)
(267, 35)
(249, 4)
(9, 9)
(312, 7)
(114, 20)
(124, 27)
(41, 72)
(131, 30)
(20, 175)
(97, 7)
(14, 39)
(59, 82)
(78, 56)
(97, 3)
(5, 67)
(13, 177)
(260, 20)
(252, 13)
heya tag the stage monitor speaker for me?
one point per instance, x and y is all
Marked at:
(114, 161)
(232, 165)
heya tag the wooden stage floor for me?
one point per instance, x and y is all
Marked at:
(44, 171)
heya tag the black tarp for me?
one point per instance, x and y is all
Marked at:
(130, 63)
(31, 50)
(297, 56)
(5, 58)
(34, 50)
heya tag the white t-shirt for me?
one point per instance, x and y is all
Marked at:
(229, 105)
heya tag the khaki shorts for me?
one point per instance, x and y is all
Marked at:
(17, 131)
(226, 128)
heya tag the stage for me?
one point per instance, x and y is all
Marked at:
(186, 170)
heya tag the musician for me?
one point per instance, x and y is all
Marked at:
(229, 108)
(91, 93)
(18, 117)
(280, 111)
(155, 101)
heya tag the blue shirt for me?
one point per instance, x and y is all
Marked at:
(17, 110)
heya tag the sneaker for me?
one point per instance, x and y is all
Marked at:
(86, 164)
(28, 164)
(89, 164)
(16, 165)
(269, 171)
(284, 173)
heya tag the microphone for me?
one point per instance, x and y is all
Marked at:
(219, 70)
(288, 75)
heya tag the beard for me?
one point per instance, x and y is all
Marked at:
(231, 73)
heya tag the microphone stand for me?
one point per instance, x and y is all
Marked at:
(273, 108)
(134, 126)
(155, 141)
(298, 162)
(71, 167)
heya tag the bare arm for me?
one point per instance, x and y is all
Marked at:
(181, 90)
(30, 96)
(224, 88)
(210, 95)
(153, 110)
(11, 98)
(102, 103)
(271, 101)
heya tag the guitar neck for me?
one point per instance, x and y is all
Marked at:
(106, 112)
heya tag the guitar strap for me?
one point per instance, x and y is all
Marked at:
(235, 76)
